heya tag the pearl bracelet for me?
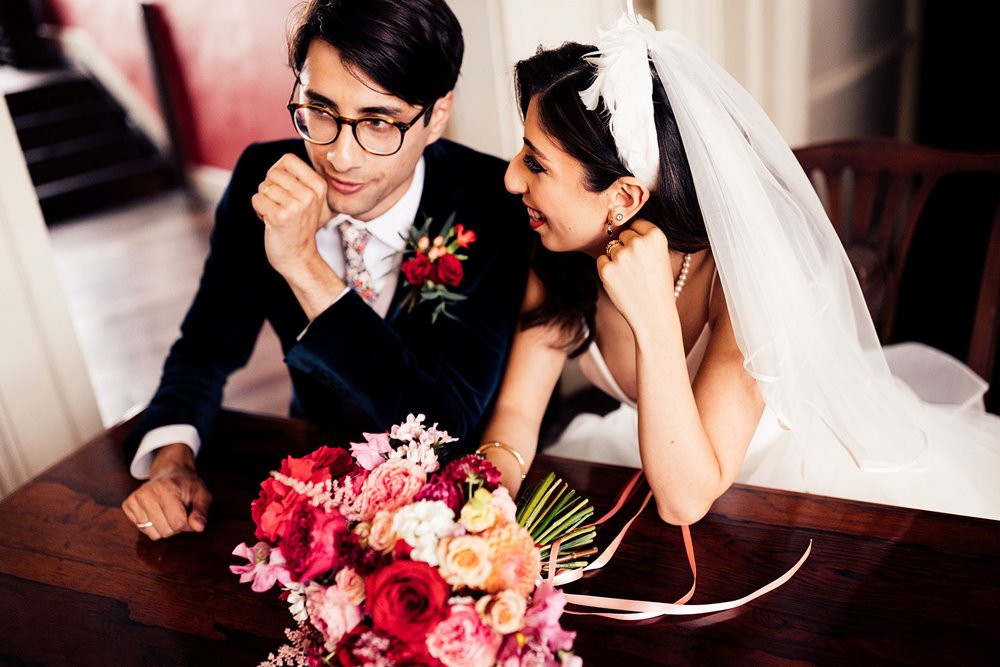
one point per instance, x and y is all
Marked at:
(496, 444)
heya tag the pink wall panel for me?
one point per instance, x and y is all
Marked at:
(230, 58)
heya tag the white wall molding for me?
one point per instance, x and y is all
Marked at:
(47, 405)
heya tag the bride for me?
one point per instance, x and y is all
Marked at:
(686, 256)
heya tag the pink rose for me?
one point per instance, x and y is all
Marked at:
(463, 639)
(331, 612)
(390, 486)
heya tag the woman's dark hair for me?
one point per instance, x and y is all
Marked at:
(554, 79)
(412, 48)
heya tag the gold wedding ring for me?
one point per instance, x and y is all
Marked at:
(611, 244)
(144, 524)
(263, 190)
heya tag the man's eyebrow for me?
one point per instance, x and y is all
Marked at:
(322, 99)
(388, 111)
(534, 149)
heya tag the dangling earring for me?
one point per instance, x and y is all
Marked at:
(618, 217)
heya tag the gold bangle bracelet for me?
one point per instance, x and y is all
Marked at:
(496, 444)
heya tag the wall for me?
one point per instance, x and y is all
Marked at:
(233, 64)
(47, 406)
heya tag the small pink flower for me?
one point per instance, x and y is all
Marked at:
(371, 453)
(542, 618)
(438, 241)
(424, 243)
(390, 486)
(408, 430)
(436, 252)
(331, 612)
(266, 566)
(463, 639)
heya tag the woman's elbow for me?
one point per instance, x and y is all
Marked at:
(683, 514)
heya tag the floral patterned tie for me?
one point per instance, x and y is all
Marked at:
(355, 239)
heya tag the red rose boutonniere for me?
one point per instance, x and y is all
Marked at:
(436, 266)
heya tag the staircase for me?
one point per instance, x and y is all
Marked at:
(83, 154)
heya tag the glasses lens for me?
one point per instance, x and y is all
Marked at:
(378, 136)
(315, 125)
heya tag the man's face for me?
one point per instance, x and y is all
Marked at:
(360, 184)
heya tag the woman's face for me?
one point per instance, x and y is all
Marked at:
(566, 215)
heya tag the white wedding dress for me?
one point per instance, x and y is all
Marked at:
(959, 474)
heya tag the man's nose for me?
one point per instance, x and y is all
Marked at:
(345, 153)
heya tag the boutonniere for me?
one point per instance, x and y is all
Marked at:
(436, 266)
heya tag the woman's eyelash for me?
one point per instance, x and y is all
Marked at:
(532, 164)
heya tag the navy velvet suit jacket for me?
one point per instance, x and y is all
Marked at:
(352, 369)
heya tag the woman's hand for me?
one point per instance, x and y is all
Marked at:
(639, 277)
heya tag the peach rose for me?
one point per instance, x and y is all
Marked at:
(504, 612)
(351, 584)
(465, 560)
(381, 536)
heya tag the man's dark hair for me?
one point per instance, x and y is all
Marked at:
(412, 48)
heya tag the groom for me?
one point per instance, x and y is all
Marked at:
(310, 237)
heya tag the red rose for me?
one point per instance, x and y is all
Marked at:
(448, 270)
(406, 599)
(417, 269)
(273, 508)
(334, 459)
(309, 543)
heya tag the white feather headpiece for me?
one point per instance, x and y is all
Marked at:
(624, 81)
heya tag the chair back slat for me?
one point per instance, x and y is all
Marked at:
(883, 185)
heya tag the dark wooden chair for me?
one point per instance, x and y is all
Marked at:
(874, 190)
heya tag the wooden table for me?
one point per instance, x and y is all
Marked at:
(80, 586)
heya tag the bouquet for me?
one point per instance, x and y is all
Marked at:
(388, 557)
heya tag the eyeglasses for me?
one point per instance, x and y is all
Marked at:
(318, 125)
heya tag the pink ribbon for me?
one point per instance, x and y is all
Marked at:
(636, 610)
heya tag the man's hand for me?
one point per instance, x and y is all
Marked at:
(174, 499)
(291, 201)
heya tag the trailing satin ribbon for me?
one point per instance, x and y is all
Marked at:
(636, 610)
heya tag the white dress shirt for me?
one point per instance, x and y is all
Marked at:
(383, 256)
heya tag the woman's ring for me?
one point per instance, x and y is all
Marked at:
(611, 244)
(144, 525)
(263, 190)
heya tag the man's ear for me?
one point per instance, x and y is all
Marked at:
(625, 197)
(439, 118)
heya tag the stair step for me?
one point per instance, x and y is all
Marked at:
(103, 188)
(73, 156)
(49, 89)
(68, 122)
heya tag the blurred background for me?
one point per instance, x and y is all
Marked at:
(122, 120)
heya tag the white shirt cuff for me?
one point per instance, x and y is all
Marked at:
(161, 437)
(339, 297)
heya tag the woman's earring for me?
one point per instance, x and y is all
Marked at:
(610, 230)
(619, 216)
